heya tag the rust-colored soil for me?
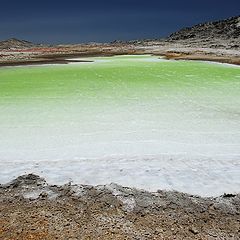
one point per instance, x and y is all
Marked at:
(32, 209)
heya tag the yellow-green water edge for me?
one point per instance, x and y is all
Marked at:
(118, 111)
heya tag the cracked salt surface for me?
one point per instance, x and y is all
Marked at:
(134, 120)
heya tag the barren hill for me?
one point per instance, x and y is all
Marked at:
(15, 43)
(220, 33)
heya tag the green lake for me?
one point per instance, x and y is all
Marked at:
(136, 120)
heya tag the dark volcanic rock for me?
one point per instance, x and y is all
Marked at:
(15, 43)
(223, 29)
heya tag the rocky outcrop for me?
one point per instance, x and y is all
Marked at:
(223, 34)
(15, 43)
(223, 29)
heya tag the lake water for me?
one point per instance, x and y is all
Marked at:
(138, 121)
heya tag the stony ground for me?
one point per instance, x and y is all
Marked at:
(178, 50)
(32, 209)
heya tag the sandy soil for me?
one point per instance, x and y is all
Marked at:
(59, 54)
(32, 209)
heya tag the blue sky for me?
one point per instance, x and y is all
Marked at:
(75, 21)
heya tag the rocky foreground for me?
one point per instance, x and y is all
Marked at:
(32, 209)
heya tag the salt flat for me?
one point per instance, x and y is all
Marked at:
(138, 121)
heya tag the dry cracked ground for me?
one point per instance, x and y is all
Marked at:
(32, 209)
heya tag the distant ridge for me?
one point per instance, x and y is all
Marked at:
(15, 43)
(223, 29)
(223, 34)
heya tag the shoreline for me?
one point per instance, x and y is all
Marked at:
(64, 61)
(62, 54)
(134, 173)
(32, 209)
(40, 62)
(205, 58)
